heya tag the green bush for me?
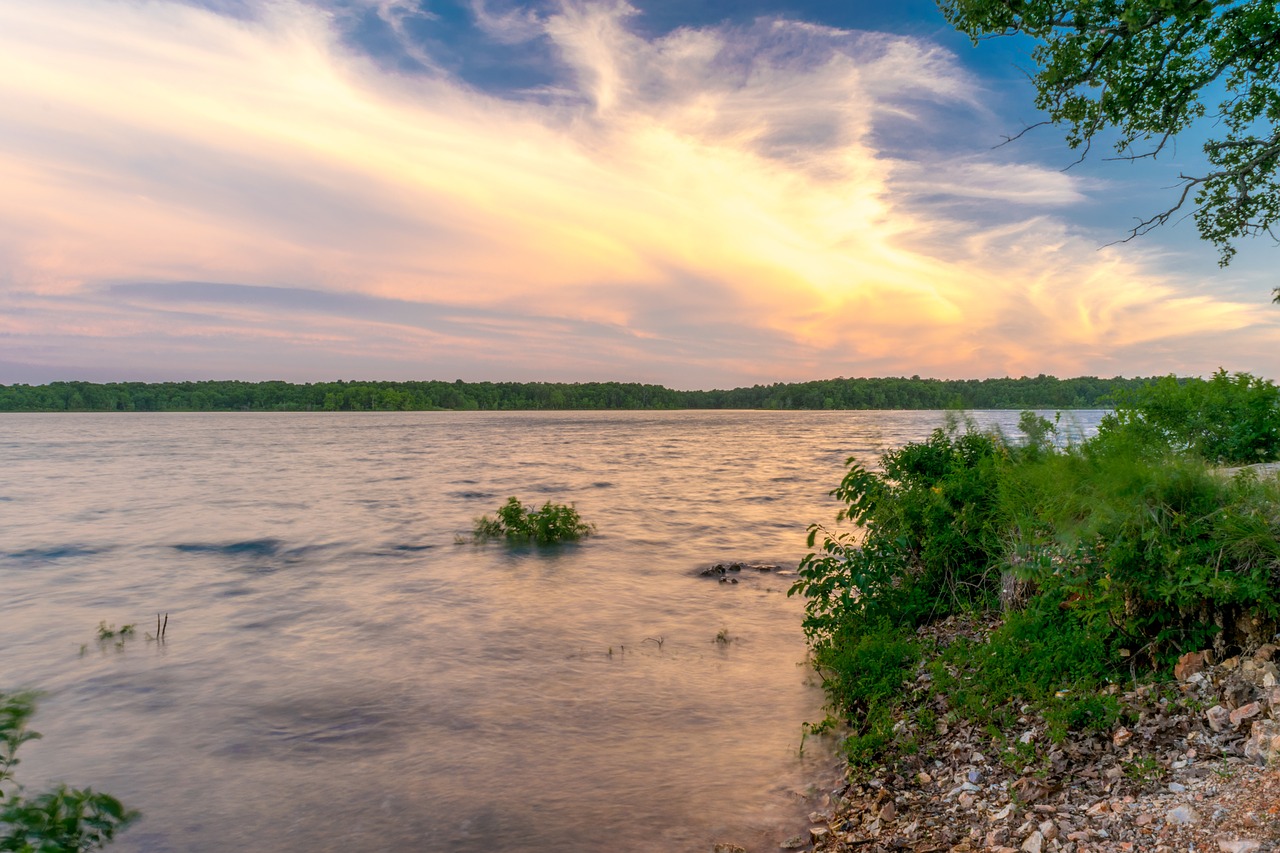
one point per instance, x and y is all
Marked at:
(552, 523)
(928, 534)
(1228, 419)
(64, 820)
(1128, 549)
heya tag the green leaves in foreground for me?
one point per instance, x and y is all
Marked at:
(64, 820)
(516, 523)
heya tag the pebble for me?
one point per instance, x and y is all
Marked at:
(1182, 816)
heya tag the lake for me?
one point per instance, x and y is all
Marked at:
(343, 669)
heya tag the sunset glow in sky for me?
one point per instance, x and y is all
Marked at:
(400, 189)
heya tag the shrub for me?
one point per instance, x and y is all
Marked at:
(552, 523)
(64, 820)
(1129, 549)
(1228, 419)
(927, 539)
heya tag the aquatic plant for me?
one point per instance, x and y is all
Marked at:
(63, 820)
(547, 525)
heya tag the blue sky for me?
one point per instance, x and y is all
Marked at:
(702, 195)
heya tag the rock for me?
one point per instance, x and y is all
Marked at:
(1217, 717)
(818, 833)
(1177, 787)
(1238, 845)
(1033, 843)
(723, 847)
(1098, 808)
(888, 812)
(795, 842)
(1121, 737)
(1182, 816)
(1191, 663)
(1244, 712)
(1266, 652)
(1263, 745)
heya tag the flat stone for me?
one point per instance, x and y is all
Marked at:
(1182, 816)
(1191, 663)
(1034, 843)
(1238, 845)
(1245, 712)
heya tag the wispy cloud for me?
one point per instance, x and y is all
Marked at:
(776, 201)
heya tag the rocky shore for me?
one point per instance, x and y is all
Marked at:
(1185, 770)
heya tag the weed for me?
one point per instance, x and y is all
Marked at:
(1144, 770)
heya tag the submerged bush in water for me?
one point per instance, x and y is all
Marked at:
(551, 523)
(64, 819)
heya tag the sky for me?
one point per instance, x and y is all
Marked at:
(701, 195)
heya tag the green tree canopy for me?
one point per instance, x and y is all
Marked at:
(1148, 70)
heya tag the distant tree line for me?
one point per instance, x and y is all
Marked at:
(1040, 392)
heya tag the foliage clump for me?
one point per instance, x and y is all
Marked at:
(1139, 73)
(1227, 419)
(1104, 557)
(63, 820)
(550, 524)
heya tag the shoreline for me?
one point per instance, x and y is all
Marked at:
(1187, 770)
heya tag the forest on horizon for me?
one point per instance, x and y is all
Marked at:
(1040, 392)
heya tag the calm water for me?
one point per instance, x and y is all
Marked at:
(341, 674)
